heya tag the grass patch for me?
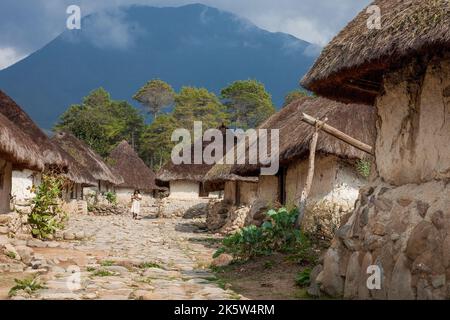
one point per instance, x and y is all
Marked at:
(303, 278)
(269, 264)
(103, 273)
(107, 263)
(10, 254)
(148, 265)
(90, 269)
(28, 285)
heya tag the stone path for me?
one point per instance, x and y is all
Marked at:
(121, 258)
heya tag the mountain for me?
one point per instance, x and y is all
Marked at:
(121, 49)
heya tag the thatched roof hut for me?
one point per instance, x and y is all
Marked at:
(17, 147)
(351, 67)
(191, 172)
(357, 121)
(52, 157)
(136, 175)
(87, 158)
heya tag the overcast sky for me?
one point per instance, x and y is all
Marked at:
(27, 25)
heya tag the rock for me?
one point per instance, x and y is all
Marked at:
(314, 289)
(446, 252)
(36, 243)
(222, 260)
(422, 208)
(5, 219)
(438, 281)
(329, 279)
(424, 237)
(11, 251)
(401, 281)
(404, 202)
(424, 290)
(69, 235)
(383, 204)
(438, 220)
(379, 229)
(26, 254)
(363, 291)
(4, 230)
(352, 277)
(117, 269)
(79, 235)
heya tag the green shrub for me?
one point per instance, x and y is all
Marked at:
(303, 278)
(46, 216)
(28, 285)
(363, 167)
(111, 197)
(278, 233)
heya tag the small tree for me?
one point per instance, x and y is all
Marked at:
(46, 216)
(155, 95)
(294, 95)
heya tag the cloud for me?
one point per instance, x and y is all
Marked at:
(9, 56)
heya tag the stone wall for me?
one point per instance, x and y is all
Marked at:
(170, 207)
(5, 185)
(401, 222)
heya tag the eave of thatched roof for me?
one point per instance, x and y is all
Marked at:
(87, 158)
(351, 67)
(76, 172)
(125, 161)
(355, 120)
(17, 147)
(52, 157)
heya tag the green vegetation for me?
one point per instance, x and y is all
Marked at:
(103, 273)
(155, 95)
(363, 167)
(111, 197)
(248, 103)
(294, 95)
(303, 278)
(107, 263)
(147, 265)
(46, 216)
(28, 285)
(277, 234)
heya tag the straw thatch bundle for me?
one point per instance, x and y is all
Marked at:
(87, 158)
(351, 67)
(17, 147)
(125, 161)
(51, 155)
(355, 120)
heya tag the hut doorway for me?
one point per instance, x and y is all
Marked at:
(282, 185)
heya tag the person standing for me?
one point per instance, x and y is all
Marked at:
(136, 204)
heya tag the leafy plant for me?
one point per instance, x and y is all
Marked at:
(103, 273)
(107, 263)
(10, 254)
(148, 265)
(28, 285)
(46, 216)
(363, 167)
(278, 233)
(303, 278)
(111, 197)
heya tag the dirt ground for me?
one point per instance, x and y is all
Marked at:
(264, 278)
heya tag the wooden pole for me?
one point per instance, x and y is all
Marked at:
(337, 134)
(309, 177)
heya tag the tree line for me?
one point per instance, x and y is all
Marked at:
(102, 122)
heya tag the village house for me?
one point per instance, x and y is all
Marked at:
(136, 175)
(105, 178)
(24, 179)
(17, 152)
(336, 180)
(401, 222)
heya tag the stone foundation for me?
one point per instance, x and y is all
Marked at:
(170, 207)
(405, 231)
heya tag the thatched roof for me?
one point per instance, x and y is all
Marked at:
(87, 158)
(17, 147)
(124, 160)
(76, 171)
(351, 67)
(355, 120)
(52, 157)
(191, 172)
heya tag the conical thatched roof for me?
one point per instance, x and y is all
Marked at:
(87, 158)
(124, 160)
(16, 115)
(191, 172)
(352, 65)
(355, 120)
(76, 172)
(17, 147)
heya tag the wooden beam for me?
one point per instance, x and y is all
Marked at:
(337, 134)
(309, 178)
